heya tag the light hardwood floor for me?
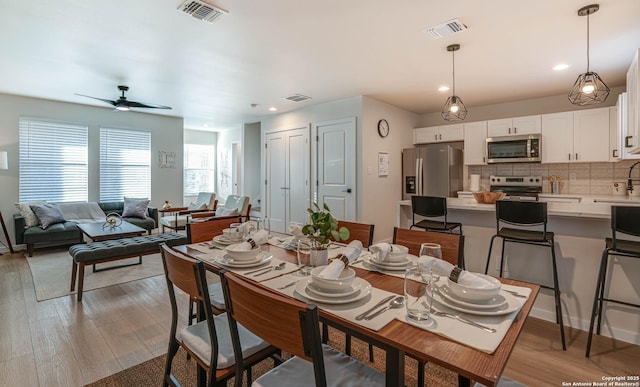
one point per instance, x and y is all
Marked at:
(60, 342)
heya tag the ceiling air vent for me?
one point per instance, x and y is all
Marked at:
(445, 29)
(201, 10)
(297, 98)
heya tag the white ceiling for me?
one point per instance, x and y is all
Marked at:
(262, 51)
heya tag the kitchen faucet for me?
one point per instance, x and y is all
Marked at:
(630, 181)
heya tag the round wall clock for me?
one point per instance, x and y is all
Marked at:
(383, 128)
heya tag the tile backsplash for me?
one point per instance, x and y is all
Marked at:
(576, 178)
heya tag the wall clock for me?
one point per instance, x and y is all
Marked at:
(383, 128)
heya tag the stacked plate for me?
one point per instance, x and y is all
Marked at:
(223, 241)
(502, 303)
(228, 261)
(345, 289)
(399, 264)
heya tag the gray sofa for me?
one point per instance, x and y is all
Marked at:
(68, 232)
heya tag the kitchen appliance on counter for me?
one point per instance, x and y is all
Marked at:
(514, 149)
(431, 170)
(517, 187)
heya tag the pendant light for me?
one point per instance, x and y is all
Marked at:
(589, 88)
(454, 109)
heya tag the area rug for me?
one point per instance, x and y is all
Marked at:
(51, 273)
(150, 372)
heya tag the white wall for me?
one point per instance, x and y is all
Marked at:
(166, 135)
(381, 193)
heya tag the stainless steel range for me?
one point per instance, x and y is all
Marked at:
(517, 187)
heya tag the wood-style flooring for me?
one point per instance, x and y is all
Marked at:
(60, 342)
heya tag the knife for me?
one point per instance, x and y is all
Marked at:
(384, 301)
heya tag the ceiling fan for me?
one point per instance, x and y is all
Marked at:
(123, 104)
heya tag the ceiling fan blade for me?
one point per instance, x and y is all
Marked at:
(145, 105)
(111, 102)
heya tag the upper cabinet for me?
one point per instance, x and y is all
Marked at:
(632, 138)
(513, 126)
(579, 136)
(444, 133)
(475, 143)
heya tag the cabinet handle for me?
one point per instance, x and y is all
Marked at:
(626, 141)
(515, 130)
(441, 137)
(576, 156)
(614, 153)
(569, 156)
(436, 137)
(509, 131)
(484, 159)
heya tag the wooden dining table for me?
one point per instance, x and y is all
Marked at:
(399, 338)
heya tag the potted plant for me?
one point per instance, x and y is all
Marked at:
(321, 231)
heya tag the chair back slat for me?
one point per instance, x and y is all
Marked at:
(180, 270)
(271, 316)
(527, 213)
(429, 206)
(452, 244)
(626, 220)
(204, 231)
(358, 231)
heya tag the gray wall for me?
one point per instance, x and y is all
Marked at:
(251, 164)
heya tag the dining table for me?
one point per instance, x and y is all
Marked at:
(447, 347)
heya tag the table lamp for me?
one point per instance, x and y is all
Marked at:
(4, 164)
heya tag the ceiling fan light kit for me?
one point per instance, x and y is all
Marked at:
(589, 88)
(123, 104)
(454, 109)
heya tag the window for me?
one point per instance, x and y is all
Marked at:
(199, 168)
(53, 161)
(125, 164)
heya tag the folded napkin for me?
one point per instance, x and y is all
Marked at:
(349, 254)
(381, 250)
(258, 238)
(247, 227)
(444, 268)
(296, 231)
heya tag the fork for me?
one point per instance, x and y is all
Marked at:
(462, 319)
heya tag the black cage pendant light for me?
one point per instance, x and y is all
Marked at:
(454, 109)
(589, 88)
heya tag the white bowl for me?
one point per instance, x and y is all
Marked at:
(476, 294)
(398, 253)
(341, 283)
(242, 255)
(232, 234)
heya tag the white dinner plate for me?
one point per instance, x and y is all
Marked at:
(492, 303)
(356, 285)
(228, 261)
(511, 305)
(301, 288)
(223, 240)
(388, 265)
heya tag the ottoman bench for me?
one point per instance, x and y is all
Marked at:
(116, 249)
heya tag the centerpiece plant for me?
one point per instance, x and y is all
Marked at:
(323, 228)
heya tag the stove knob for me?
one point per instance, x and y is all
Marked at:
(537, 180)
(531, 180)
(493, 179)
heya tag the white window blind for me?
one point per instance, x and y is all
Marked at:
(53, 161)
(125, 164)
(199, 168)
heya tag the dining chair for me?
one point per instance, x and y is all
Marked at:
(209, 340)
(206, 201)
(206, 229)
(292, 326)
(624, 220)
(452, 244)
(432, 207)
(521, 216)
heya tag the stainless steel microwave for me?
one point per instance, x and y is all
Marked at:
(514, 149)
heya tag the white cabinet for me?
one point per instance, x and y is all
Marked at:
(475, 143)
(632, 139)
(580, 136)
(615, 132)
(513, 126)
(444, 133)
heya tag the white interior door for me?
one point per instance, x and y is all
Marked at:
(298, 187)
(336, 167)
(275, 148)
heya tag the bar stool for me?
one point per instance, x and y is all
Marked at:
(624, 220)
(432, 207)
(527, 214)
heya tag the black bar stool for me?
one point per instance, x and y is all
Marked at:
(432, 207)
(527, 214)
(624, 220)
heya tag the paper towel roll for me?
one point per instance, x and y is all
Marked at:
(474, 183)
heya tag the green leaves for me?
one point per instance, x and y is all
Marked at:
(323, 227)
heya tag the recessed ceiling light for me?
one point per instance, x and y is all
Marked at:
(560, 67)
(443, 88)
(272, 109)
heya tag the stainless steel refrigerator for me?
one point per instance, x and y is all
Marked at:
(431, 170)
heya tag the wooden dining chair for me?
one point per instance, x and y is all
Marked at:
(209, 340)
(292, 326)
(358, 231)
(452, 244)
(205, 230)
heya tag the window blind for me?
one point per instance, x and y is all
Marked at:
(53, 161)
(125, 164)
(199, 168)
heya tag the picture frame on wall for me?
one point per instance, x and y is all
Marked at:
(166, 159)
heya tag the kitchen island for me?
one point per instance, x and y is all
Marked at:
(580, 228)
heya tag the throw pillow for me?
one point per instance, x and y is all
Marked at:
(227, 212)
(135, 207)
(48, 214)
(195, 206)
(30, 219)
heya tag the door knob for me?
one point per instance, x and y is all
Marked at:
(348, 190)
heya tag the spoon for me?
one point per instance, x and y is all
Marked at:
(396, 303)
(277, 267)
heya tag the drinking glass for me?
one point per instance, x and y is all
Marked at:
(303, 250)
(432, 250)
(264, 224)
(418, 293)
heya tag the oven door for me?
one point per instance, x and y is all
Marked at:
(513, 149)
